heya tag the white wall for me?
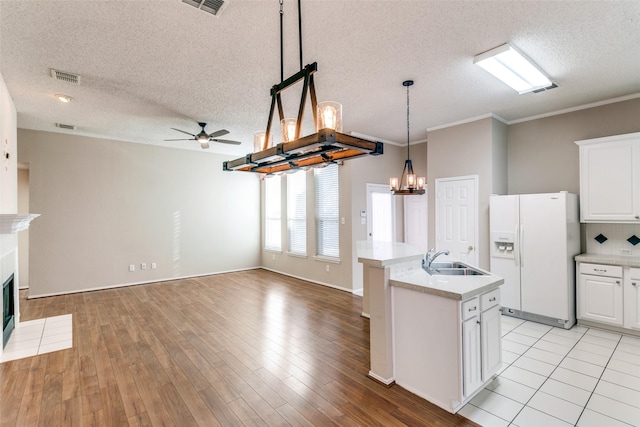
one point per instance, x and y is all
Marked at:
(8, 186)
(23, 236)
(108, 204)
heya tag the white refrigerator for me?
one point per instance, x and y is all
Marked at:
(533, 239)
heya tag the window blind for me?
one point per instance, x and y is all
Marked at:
(327, 211)
(297, 212)
(272, 208)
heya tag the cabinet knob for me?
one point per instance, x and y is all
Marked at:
(633, 283)
(617, 282)
(637, 217)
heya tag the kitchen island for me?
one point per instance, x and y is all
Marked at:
(442, 333)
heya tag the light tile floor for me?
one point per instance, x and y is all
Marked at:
(39, 336)
(555, 377)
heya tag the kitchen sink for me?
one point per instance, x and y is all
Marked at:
(454, 268)
(457, 272)
(455, 264)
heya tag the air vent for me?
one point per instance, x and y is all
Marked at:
(213, 7)
(63, 126)
(65, 77)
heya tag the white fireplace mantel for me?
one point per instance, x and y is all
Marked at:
(13, 223)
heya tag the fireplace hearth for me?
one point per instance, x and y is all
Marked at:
(8, 310)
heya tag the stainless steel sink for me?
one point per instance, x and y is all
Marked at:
(455, 268)
(457, 272)
(455, 264)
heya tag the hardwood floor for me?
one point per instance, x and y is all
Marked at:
(246, 348)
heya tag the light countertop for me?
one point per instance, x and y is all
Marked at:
(621, 260)
(382, 254)
(454, 287)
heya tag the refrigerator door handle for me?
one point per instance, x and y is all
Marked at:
(516, 247)
(521, 245)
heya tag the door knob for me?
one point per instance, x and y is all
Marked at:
(470, 248)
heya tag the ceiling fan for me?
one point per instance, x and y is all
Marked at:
(204, 138)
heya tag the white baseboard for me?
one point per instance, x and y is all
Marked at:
(122, 285)
(340, 288)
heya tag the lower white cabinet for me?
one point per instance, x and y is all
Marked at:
(609, 295)
(632, 299)
(600, 293)
(445, 350)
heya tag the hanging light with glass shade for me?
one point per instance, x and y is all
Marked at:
(297, 151)
(413, 184)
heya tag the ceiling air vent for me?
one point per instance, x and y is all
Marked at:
(65, 77)
(213, 7)
(62, 126)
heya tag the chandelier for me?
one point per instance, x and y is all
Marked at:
(413, 184)
(327, 145)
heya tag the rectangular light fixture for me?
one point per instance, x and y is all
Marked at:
(513, 68)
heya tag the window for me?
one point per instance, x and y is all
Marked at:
(272, 221)
(297, 212)
(327, 211)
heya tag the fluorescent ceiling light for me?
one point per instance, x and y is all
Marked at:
(513, 68)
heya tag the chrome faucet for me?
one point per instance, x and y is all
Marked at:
(431, 256)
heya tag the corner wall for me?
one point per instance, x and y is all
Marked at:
(108, 204)
(474, 148)
(542, 156)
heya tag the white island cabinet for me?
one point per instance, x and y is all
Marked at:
(447, 336)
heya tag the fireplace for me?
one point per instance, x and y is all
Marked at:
(8, 310)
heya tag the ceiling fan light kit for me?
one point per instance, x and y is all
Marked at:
(327, 145)
(203, 138)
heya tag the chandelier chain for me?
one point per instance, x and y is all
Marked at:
(281, 43)
(408, 156)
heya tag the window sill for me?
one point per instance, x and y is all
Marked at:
(275, 251)
(327, 259)
(293, 254)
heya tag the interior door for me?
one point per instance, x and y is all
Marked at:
(457, 217)
(380, 213)
(415, 221)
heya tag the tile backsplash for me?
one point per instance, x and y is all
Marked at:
(617, 239)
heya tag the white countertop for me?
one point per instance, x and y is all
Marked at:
(382, 254)
(621, 260)
(454, 287)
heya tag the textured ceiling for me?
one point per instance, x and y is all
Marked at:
(148, 66)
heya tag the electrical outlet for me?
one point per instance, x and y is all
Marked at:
(143, 266)
(626, 252)
(132, 268)
(273, 257)
(154, 265)
(327, 268)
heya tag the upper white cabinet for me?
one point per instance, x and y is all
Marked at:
(610, 179)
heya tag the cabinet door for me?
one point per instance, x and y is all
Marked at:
(609, 181)
(491, 340)
(600, 299)
(471, 356)
(632, 301)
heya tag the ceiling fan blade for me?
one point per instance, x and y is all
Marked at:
(184, 132)
(204, 145)
(226, 141)
(218, 133)
(190, 139)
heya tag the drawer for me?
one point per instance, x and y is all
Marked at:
(489, 299)
(634, 273)
(470, 308)
(601, 270)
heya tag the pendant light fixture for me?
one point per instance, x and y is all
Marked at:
(327, 145)
(413, 184)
